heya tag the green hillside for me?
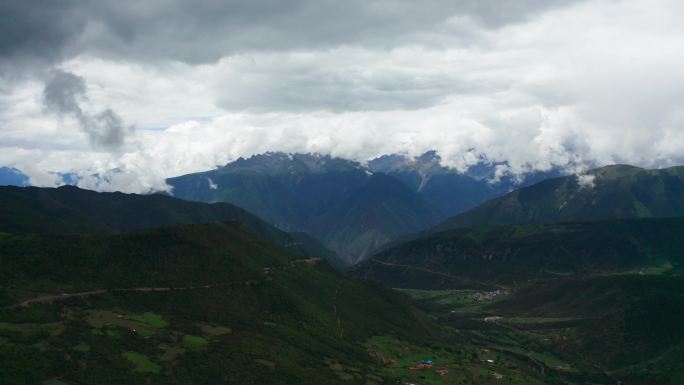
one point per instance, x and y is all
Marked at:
(510, 254)
(594, 302)
(610, 192)
(629, 325)
(72, 210)
(602, 329)
(201, 304)
(197, 304)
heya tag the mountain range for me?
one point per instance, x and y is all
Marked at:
(592, 262)
(352, 208)
(571, 279)
(613, 218)
(337, 200)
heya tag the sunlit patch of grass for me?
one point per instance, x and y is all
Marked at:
(214, 330)
(151, 319)
(83, 348)
(194, 342)
(142, 363)
(146, 324)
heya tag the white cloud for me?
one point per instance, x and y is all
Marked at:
(212, 185)
(587, 181)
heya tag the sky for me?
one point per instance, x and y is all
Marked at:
(157, 88)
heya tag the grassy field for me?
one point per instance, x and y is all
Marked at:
(136, 339)
(464, 364)
(194, 342)
(142, 363)
(602, 329)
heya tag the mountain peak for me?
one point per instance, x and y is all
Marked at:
(426, 163)
(616, 171)
(274, 163)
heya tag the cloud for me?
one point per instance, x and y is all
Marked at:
(202, 32)
(345, 79)
(65, 92)
(586, 181)
(212, 185)
(529, 85)
(62, 92)
(36, 35)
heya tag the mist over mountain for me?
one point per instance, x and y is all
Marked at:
(450, 190)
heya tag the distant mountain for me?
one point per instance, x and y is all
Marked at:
(503, 180)
(69, 210)
(378, 212)
(450, 191)
(333, 199)
(338, 201)
(310, 192)
(508, 255)
(12, 177)
(453, 191)
(610, 192)
(288, 191)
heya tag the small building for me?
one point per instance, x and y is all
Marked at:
(424, 364)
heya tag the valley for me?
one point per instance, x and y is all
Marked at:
(307, 192)
(150, 289)
(282, 314)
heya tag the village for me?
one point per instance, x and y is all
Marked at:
(488, 295)
(429, 364)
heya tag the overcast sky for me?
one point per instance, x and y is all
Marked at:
(161, 88)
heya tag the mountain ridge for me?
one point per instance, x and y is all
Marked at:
(610, 192)
(303, 192)
(69, 209)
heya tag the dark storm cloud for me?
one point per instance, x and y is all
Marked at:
(62, 93)
(65, 92)
(36, 32)
(38, 35)
(205, 31)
